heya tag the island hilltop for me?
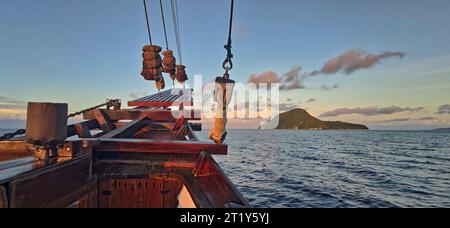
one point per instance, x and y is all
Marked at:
(300, 119)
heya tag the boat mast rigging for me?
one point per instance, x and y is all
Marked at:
(228, 63)
(176, 25)
(164, 24)
(148, 22)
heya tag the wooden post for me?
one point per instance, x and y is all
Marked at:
(91, 125)
(3, 198)
(103, 120)
(83, 130)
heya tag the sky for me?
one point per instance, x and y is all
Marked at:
(381, 63)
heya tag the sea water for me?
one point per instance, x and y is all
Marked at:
(283, 168)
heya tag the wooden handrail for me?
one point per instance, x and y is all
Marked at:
(157, 146)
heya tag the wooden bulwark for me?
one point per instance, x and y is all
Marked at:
(53, 186)
(10, 150)
(221, 189)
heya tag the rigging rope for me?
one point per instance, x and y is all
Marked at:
(148, 23)
(228, 63)
(176, 25)
(164, 24)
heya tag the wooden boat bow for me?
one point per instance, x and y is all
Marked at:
(129, 158)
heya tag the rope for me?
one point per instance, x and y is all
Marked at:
(148, 23)
(178, 30)
(231, 22)
(228, 63)
(176, 25)
(164, 24)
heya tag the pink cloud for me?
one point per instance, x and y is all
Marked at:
(353, 60)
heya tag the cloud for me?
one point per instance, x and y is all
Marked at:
(426, 118)
(266, 77)
(291, 80)
(348, 62)
(400, 120)
(287, 106)
(329, 88)
(353, 60)
(371, 111)
(312, 100)
(394, 120)
(9, 103)
(444, 109)
(13, 114)
(289, 99)
(137, 95)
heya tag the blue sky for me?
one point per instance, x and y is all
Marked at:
(82, 52)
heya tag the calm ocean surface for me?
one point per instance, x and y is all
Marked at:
(340, 168)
